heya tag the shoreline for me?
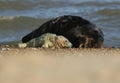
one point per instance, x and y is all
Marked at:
(68, 51)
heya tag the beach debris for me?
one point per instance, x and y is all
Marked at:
(34, 48)
(22, 45)
(5, 49)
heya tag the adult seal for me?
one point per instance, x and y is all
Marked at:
(80, 32)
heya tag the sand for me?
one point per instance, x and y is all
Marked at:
(35, 65)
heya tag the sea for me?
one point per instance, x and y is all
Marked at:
(20, 17)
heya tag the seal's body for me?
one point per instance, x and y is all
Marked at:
(80, 32)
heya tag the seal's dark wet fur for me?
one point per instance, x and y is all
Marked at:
(76, 29)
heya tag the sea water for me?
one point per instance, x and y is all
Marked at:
(19, 17)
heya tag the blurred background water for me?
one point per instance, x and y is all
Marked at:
(19, 17)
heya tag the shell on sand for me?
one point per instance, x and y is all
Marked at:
(22, 45)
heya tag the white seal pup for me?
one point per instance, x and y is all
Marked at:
(49, 40)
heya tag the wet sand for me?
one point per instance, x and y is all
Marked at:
(35, 65)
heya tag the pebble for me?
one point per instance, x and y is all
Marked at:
(4, 49)
(22, 45)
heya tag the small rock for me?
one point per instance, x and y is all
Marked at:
(5, 49)
(22, 45)
(34, 48)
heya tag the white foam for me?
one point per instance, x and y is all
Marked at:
(7, 17)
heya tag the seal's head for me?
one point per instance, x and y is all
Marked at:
(93, 38)
(63, 42)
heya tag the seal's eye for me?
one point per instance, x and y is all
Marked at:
(66, 41)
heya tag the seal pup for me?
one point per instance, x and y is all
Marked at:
(49, 40)
(80, 32)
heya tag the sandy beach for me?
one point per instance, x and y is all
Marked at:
(35, 65)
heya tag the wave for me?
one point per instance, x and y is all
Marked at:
(53, 8)
(7, 17)
(16, 17)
